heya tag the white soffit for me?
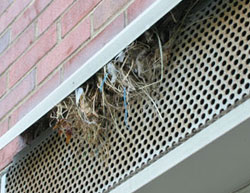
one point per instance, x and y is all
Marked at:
(214, 160)
(144, 21)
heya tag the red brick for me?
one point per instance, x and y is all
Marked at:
(80, 9)
(4, 5)
(3, 84)
(137, 8)
(96, 44)
(17, 93)
(17, 48)
(12, 12)
(35, 99)
(72, 41)
(4, 126)
(4, 41)
(105, 10)
(24, 64)
(28, 16)
(9, 151)
(54, 10)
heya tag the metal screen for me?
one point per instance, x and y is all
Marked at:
(209, 74)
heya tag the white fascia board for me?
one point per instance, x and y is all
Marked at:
(143, 22)
(3, 183)
(189, 169)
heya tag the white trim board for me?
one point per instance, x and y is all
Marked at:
(213, 160)
(144, 21)
(3, 183)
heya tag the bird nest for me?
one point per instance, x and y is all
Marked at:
(91, 110)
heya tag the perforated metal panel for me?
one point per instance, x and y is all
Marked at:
(209, 73)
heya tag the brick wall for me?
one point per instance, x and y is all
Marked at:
(42, 42)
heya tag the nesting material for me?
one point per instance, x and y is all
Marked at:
(88, 113)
